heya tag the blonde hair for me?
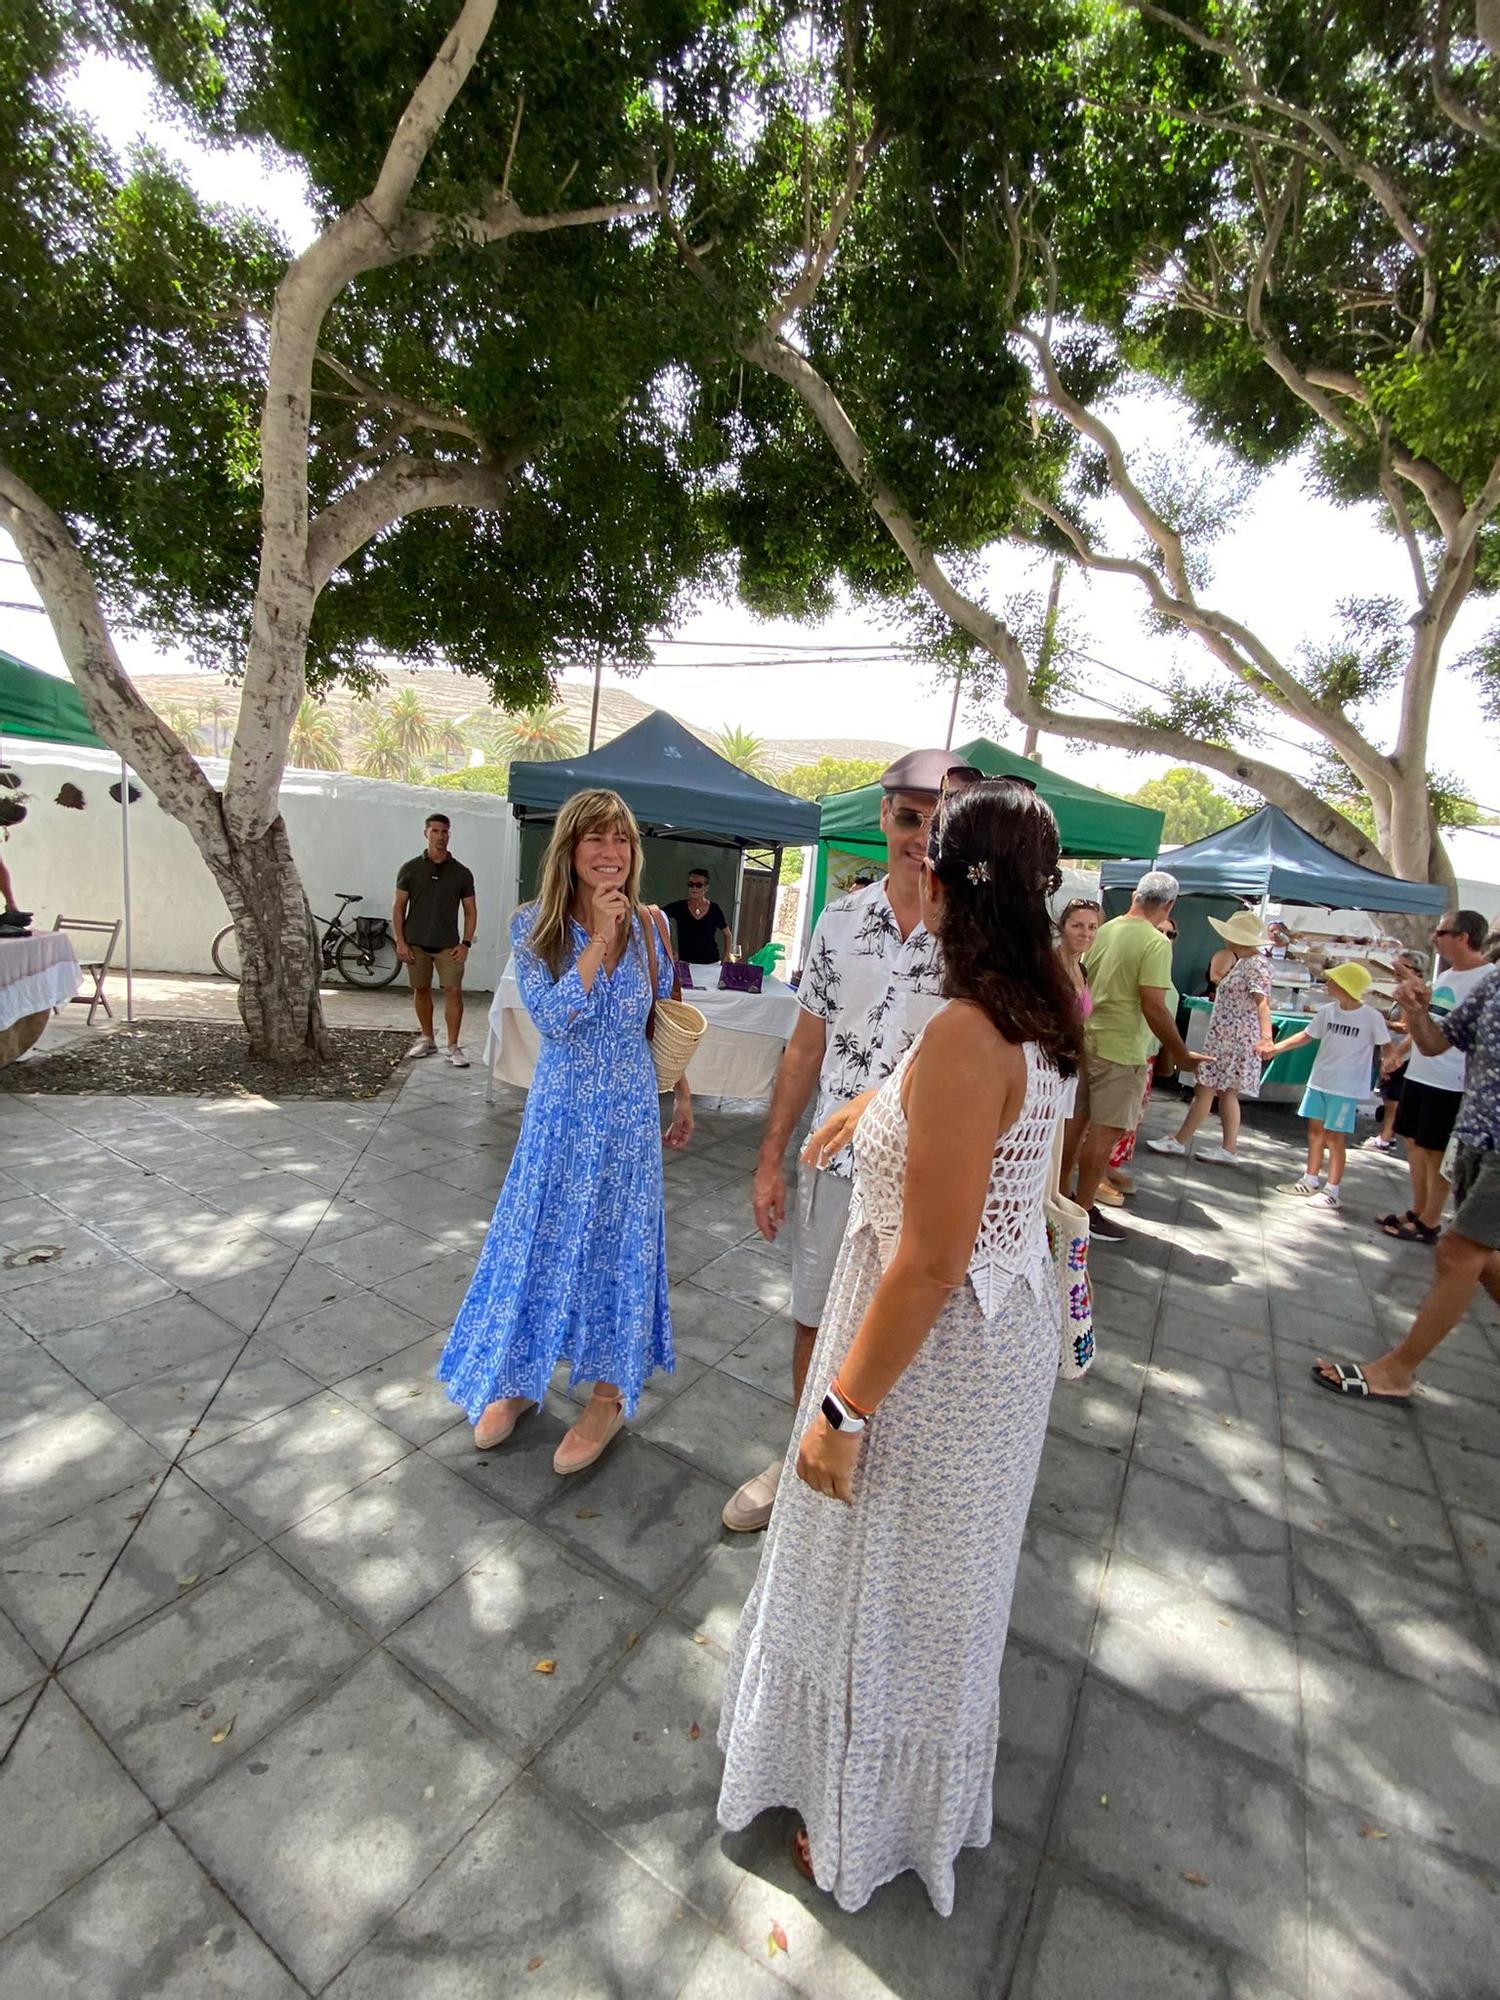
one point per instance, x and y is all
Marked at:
(585, 812)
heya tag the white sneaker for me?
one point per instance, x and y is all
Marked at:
(1167, 1145)
(1309, 1184)
(1329, 1198)
(457, 1057)
(419, 1048)
(1219, 1155)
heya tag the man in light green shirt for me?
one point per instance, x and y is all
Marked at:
(1129, 969)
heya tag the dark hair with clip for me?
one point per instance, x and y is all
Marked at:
(996, 854)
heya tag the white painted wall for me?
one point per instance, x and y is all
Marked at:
(346, 832)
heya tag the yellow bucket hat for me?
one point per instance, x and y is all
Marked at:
(1354, 980)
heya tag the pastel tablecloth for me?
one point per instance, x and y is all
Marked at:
(36, 974)
(736, 1058)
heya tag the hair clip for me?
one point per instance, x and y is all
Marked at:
(979, 871)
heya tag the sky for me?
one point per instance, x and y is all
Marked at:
(1284, 564)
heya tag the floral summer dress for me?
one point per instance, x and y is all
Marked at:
(1234, 1028)
(574, 1265)
(864, 1680)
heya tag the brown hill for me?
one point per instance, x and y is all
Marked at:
(454, 697)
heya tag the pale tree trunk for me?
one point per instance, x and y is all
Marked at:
(279, 955)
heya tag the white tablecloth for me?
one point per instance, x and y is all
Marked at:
(36, 973)
(736, 1058)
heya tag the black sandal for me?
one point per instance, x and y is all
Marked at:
(1395, 1221)
(1413, 1230)
(1351, 1382)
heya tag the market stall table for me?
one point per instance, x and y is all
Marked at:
(737, 1057)
(36, 974)
(1283, 1080)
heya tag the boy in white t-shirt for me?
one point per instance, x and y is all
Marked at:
(1347, 1034)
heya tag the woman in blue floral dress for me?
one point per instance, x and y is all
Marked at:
(574, 1266)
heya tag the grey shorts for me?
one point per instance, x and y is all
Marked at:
(1476, 1195)
(822, 1213)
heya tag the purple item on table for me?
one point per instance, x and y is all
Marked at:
(740, 978)
(684, 973)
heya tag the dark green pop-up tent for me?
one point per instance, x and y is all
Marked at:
(43, 708)
(1094, 825)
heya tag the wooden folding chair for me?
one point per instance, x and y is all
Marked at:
(95, 966)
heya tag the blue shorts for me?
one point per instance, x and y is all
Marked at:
(1334, 1114)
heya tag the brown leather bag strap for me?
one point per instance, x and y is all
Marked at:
(649, 919)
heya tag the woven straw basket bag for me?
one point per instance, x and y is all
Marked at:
(673, 1028)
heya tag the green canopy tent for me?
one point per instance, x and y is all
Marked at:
(1094, 825)
(45, 708)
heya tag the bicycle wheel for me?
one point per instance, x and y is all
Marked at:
(226, 953)
(368, 968)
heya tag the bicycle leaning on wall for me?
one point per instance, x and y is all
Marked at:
(362, 953)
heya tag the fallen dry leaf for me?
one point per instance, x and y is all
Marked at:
(1373, 1833)
(632, 1638)
(533, 1963)
(186, 1582)
(587, 1514)
(776, 1941)
(700, 1638)
(222, 1731)
(1192, 1875)
(1391, 1521)
(545, 1667)
(695, 1732)
(1104, 1798)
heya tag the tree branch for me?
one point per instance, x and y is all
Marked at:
(1446, 98)
(402, 485)
(802, 292)
(57, 569)
(1379, 183)
(425, 111)
(779, 359)
(421, 416)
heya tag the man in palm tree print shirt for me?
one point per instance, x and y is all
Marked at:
(873, 980)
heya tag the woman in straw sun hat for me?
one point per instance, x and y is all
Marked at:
(574, 1266)
(1241, 1019)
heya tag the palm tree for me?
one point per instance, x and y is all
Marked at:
(315, 742)
(410, 724)
(744, 750)
(449, 743)
(187, 723)
(379, 754)
(539, 735)
(220, 718)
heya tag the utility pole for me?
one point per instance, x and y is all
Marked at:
(594, 711)
(1048, 648)
(958, 681)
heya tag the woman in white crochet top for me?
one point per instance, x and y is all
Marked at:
(864, 1681)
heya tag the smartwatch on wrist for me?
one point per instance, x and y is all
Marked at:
(839, 1414)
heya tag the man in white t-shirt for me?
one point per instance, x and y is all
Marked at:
(873, 980)
(1434, 1085)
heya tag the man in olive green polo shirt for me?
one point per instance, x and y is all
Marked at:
(1129, 967)
(433, 918)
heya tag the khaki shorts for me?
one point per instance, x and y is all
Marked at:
(448, 965)
(1111, 1093)
(822, 1216)
(1476, 1195)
